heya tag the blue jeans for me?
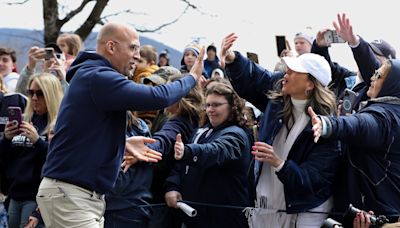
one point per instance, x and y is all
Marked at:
(19, 212)
(3, 216)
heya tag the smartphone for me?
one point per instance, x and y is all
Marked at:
(331, 36)
(348, 102)
(252, 56)
(49, 53)
(15, 115)
(281, 44)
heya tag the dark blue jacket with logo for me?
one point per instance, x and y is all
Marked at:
(23, 162)
(310, 168)
(216, 170)
(89, 139)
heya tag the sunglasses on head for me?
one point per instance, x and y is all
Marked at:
(38, 93)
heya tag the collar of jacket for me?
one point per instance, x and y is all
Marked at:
(386, 100)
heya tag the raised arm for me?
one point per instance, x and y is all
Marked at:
(249, 80)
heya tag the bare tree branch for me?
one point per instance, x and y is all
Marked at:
(15, 3)
(94, 18)
(189, 4)
(74, 12)
(128, 11)
(165, 24)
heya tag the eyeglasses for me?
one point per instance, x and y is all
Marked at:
(133, 47)
(213, 105)
(38, 93)
(376, 75)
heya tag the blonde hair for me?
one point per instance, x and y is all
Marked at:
(73, 41)
(53, 94)
(321, 99)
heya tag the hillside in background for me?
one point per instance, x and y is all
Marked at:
(22, 39)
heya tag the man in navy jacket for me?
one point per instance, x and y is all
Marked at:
(86, 152)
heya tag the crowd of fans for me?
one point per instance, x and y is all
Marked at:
(243, 145)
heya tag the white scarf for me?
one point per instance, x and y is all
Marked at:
(270, 191)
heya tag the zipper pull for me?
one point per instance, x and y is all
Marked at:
(187, 169)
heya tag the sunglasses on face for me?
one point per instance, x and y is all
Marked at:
(38, 93)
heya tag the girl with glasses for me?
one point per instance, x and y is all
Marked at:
(215, 167)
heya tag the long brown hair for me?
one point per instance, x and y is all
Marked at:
(321, 99)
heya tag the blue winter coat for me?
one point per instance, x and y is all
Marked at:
(166, 138)
(216, 170)
(373, 138)
(310, 168)
(132, 188)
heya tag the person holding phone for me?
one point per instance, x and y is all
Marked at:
(372, 180)
(24, 148)
(6, 100)
(9, 99)
(51, 64)
(292, 172)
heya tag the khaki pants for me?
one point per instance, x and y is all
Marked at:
(67, 205)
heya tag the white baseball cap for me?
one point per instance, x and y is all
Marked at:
(312, 64)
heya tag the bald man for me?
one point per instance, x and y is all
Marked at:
(86, 152)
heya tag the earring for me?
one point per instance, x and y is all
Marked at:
(307, 92)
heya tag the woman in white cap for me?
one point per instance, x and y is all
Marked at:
(293, 174)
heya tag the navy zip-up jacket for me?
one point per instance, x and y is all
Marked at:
(89, 139)
(216, 170)
(310, 168)
(372, 181)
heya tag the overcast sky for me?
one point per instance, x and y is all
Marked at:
(256, 22)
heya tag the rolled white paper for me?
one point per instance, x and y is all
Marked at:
(190, 211)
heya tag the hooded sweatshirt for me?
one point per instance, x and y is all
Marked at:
(89, 140)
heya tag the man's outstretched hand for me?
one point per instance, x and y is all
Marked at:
(136, 150)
